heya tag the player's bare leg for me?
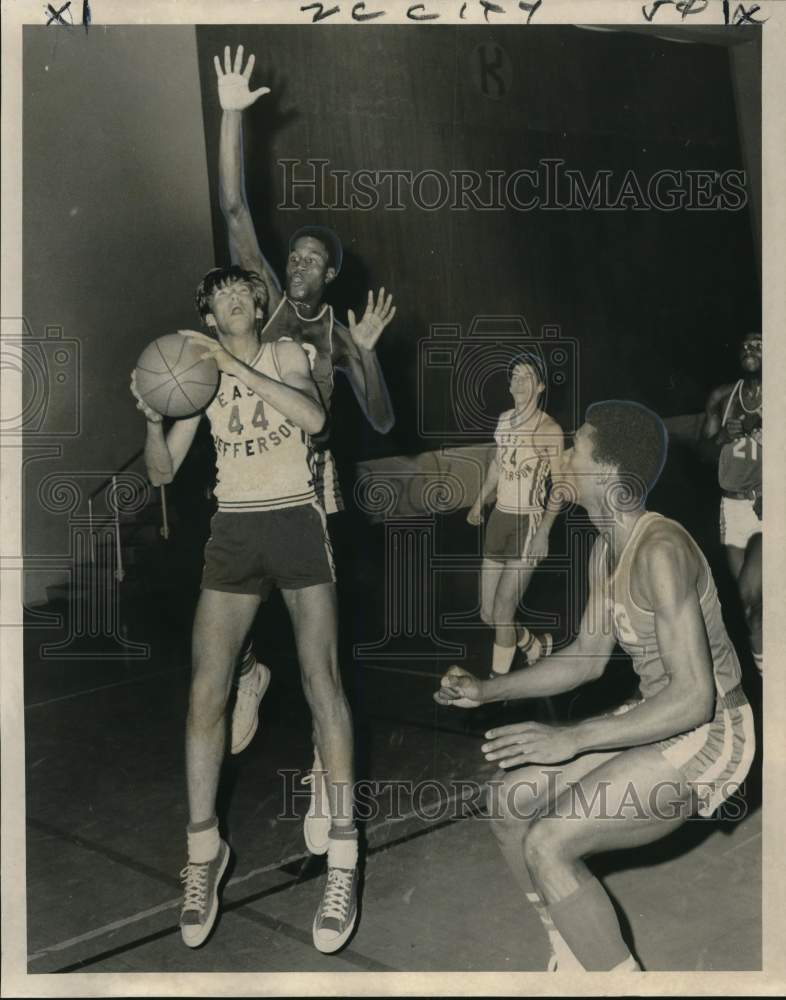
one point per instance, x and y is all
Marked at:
(314, 619)
(735, 557)
(220, 625)
(750, 588)
(490, 572)
(508, 636)
(515, 800)
(635, 798)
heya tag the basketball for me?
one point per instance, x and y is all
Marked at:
(172, 377)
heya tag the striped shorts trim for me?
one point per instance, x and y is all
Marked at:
(715, 757)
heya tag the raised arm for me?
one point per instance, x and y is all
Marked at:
(354, 353)
(235, 96)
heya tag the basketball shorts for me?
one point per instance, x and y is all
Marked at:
(252, 552)
(738, 522)
(326, 482)
(508, 535)
(715, 758)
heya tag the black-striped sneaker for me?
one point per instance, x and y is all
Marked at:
(337, 913)
(201, 883)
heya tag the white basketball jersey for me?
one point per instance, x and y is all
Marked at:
(523, 467)
(263, 460)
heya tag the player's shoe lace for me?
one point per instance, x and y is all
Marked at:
(194, 879)
(200, 897)
(337, 913)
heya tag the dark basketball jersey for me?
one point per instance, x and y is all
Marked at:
(315, 335)
(739, 466)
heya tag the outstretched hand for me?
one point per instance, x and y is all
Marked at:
(378, 314)
(234, 93)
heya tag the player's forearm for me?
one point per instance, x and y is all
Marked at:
(302, 409)
(230, 164)
(563, 672)
(158, 458)
(670, 712)
(368, 383)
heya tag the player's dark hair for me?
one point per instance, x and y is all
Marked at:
(219, 277)
(329, 240)
(632, 438)
(531, 360)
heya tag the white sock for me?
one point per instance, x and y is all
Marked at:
(758, 659)
(566, 960)
(203, 841)
(342, 848)
(502, 658)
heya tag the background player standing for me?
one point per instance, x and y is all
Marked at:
(636, 775)
(269, 530)
(529, 443)
(734, 420)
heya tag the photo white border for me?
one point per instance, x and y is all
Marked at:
(772, 981)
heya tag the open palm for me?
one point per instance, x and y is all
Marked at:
(234, 93)
(367, 331)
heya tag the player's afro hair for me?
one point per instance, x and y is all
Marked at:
(329, 240)
(218, 277)
(632, 438)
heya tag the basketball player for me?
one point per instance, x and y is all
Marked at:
(733, 420)
(631, 777)
(269, 530)
(300, 312)
(529, 442)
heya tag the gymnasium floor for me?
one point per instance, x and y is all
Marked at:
(106, 813)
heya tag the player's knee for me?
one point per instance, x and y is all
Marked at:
(511, 803)
(208, 700)
(543, 846)
(504, 608)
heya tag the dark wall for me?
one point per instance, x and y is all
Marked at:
(654, 299)
(116, 230)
